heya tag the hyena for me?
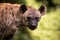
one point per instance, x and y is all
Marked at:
(14, 16)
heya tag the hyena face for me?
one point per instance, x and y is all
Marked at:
(32, 16)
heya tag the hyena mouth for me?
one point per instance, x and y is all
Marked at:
(32, 27)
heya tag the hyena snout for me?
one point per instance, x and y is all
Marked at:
(32, 24)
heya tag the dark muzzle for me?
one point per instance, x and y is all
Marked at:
(32, 24)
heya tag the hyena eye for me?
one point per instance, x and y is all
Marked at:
(36, 18)
(28, 17)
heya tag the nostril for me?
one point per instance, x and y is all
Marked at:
(33, 27)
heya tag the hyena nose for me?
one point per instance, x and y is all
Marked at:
(33, 25)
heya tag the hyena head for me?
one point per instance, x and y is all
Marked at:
(32, 15)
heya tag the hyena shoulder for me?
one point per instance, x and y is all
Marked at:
(7, 15)
(8, 12)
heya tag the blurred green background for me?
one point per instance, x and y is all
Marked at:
(49, 25)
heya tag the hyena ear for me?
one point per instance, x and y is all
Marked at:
(42, 9)
(23, 8)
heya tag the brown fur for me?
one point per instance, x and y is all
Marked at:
(7, 19)
(11, 17)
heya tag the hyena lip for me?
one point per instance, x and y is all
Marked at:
(32, 27)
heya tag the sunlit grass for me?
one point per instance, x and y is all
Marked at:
(56, 1)
(51, 21)
(33, 3)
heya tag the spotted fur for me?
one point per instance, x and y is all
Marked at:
(13, 16)
(8, 16)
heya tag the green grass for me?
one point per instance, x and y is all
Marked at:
(56, 1)
(51, 21)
